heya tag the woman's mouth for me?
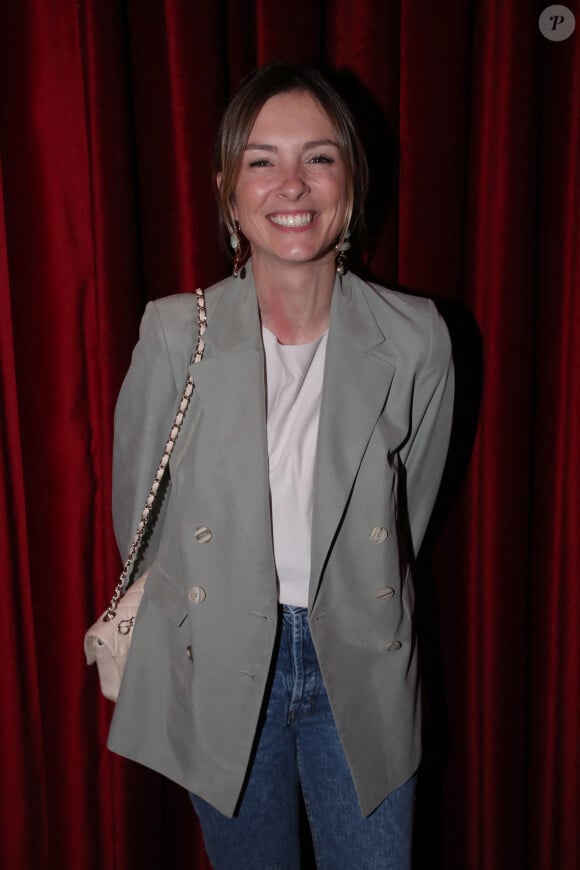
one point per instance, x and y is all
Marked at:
(292, 220)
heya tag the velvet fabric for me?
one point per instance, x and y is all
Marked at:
(107, 113)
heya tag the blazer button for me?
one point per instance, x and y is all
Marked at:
(378, 535)
(197, 594)
(392, 646)
(189, 652)
(203, 534)
(386, 593)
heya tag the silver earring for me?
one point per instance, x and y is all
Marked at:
(341, 249)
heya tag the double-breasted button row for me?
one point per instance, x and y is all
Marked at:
(379, 535)
(203, 535)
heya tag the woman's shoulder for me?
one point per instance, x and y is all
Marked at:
(406, 318)
(176, 308)
(171, 322)
(387, 302)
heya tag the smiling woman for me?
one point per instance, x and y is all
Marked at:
(275, 654)
(291, 196)
(238, 122)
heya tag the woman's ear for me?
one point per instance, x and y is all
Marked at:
(232, 209)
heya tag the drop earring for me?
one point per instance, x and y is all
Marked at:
(237, 249)
(341, 249)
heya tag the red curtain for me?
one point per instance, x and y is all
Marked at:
(107, 113)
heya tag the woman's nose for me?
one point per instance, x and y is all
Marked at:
(293, 186)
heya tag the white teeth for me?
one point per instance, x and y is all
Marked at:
(292, 220)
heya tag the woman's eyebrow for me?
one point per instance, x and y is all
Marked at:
(255, 146)
(315, 143)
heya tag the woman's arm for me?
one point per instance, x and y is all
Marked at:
(143, 416)
(425, 452)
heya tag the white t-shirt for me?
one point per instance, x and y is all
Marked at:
(294, 376)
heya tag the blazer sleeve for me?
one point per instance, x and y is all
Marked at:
(143, 416)
(425, 452)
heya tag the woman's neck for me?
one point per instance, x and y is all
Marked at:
(295, 301)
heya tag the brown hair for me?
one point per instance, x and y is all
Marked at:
(243, 110)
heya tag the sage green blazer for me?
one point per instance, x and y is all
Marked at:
(204, 635)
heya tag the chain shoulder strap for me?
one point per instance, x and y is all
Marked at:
(137, 542)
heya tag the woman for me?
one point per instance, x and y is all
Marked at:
(274, 648)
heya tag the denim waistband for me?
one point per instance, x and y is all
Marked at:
(293, 611)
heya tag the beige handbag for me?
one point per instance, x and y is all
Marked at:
(108, 640)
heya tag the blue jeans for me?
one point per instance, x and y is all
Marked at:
(298, 747)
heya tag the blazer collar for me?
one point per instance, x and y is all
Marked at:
(351, 318)
(234, 317)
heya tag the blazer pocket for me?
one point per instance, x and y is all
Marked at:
(162, 592)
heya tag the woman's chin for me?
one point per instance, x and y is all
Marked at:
(299, 256)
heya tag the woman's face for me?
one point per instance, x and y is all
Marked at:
(291, 195)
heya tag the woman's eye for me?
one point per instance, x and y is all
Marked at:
(262, 161)
(321, 158)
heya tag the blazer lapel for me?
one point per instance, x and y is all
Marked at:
(357, 379)
(230, 390)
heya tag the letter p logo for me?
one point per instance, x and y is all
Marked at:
(557, 23)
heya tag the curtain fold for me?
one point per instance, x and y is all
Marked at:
(19, 683)
(178, 90)
(553, 786)
(107, 116)
(497, 283)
